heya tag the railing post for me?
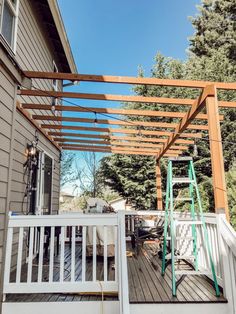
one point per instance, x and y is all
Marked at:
(123, 271)
(224, 257)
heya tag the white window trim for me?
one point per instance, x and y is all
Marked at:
(40, 180)
(55, 86)
(15, 12)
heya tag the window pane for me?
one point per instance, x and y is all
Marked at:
(47, 185)
(7, 24)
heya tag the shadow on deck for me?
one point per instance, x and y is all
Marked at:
(146, 285)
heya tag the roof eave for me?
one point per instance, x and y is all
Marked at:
(62, 33)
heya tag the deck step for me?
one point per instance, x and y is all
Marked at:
(192, 272)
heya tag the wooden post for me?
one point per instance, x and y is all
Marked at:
(217, 160)
(158, 186)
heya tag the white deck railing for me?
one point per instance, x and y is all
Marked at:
(185, 246)
(29, 252)
(227, 239)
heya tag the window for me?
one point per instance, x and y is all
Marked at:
(9, 22)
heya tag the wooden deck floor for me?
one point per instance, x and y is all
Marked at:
(146, 285)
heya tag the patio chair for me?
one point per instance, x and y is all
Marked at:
(143, 232)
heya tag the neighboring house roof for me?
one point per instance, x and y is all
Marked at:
(66, 194)
(54, 25)
(117, 200)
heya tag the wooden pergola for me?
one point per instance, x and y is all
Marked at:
(133, 137)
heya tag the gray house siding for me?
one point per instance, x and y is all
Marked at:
(33, 52)
(7, 116)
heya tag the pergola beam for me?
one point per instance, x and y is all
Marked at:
(64, 141)
(116, 130)
(128, 112)
(83, 149)
(126, 80)
(119, 138)
(117, 122)
(109, 97)
(128, 149)
(141, 99)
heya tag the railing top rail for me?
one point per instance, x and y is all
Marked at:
(228, 233)
(161, 213)
(63, 220)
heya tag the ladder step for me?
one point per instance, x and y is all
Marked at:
(182, 180)
(184, 257)
(177, 257)
(180, 158)
(184, 238)
(180, 238)
(192, 272)
(183, 199)
(188, 222)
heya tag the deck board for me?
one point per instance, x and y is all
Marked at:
(146, 284)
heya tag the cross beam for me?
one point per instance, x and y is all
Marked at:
(117, 122)
(58, 135)
(128, 112)
(126, 80)
(117, 130)
(122, 98)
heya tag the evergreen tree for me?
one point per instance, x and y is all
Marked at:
(212, 56)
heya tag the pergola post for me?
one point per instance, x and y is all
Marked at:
(217, 160)
(158, 186)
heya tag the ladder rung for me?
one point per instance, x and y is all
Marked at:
(182, 180)
(184, 199)
(192, 272)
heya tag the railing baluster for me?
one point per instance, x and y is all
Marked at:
(94, 253)
(8, 255)
(30, 256)
(116, 252)
(72, 276)
(62, 254)
(41, 251)
(19, 255)
(51, 261)
(105, 251)
(83, 253)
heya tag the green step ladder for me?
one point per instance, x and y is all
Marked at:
(171, 223)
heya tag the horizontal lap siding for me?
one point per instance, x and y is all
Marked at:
(33, 52)
(7, 95)
(24, 135)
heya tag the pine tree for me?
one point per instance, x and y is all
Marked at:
(212, 56)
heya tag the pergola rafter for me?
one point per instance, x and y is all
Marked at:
(118, 122)
(136, 137)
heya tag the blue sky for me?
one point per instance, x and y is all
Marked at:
(114, 37)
